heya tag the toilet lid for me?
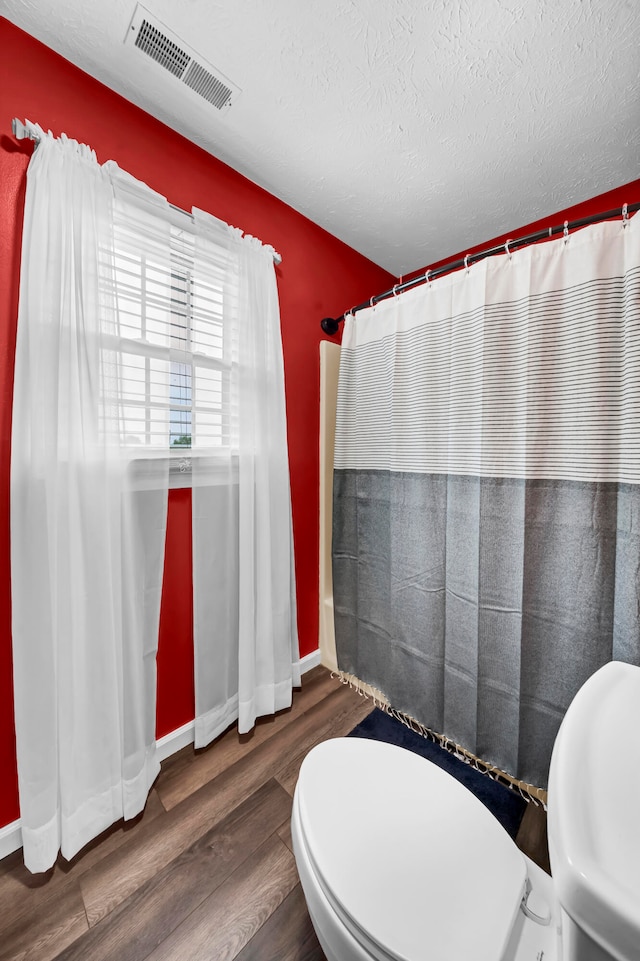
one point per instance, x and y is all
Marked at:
(410, 860)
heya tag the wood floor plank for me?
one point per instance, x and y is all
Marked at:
(22, 892)
(287, 935)
(532, 836)
(221, 926)
(118, 876)
(339, 725)
(196, 768)
(284, 832)
(134, 929)
(47, 929)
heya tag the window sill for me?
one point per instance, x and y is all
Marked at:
(148, 469)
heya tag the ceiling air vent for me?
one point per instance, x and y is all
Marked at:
(153, 38)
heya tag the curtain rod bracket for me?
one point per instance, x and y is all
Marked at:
(330, 325)
(22, 131)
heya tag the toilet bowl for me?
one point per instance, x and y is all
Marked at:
(395, 855)
(399, 861)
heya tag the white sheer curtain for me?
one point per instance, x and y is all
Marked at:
(87, 546)
(245, 635)
(146, 344)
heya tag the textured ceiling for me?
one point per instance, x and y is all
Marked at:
(411, 129)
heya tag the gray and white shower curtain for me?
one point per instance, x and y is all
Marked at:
(486, 527)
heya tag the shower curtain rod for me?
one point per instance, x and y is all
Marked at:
(330, 325)
(23, 131)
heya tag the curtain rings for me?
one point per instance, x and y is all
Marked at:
(625, 215)
(565, 231)
(506, 247)
(466, 262)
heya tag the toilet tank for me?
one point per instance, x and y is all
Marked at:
(594, 817)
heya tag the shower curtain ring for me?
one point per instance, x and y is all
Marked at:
(565, 231)
(466, 262)
(625, 215)
(506, 247)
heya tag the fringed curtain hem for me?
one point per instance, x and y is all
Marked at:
(529, 792)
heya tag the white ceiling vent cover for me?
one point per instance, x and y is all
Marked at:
(151, 37)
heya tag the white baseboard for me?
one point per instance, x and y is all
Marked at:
(309, 661)
(11, 834)
(175, 741)
(10, 838)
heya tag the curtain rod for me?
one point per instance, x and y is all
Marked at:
(24, 131)
(331, 325)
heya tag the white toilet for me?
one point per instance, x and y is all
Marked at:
(399, 862)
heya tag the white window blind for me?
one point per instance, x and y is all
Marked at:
(169, 361)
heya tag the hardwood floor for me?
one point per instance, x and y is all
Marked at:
(207, 871)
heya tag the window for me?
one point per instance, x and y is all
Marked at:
(171, 358)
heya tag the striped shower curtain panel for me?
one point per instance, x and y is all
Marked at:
(486, 539)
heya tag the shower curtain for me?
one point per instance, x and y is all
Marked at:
(486, 531)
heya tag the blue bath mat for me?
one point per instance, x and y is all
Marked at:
(505, 804)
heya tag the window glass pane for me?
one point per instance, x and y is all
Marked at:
(180, 432)
(157, 282)
(129, 317)
(180, 392)
(134, 426)
(158, 420)
(208, 338)
(180, 400)
(128, 284)
(133, 380)
(210, 429)
(207, 331)
(211, 419)
(158, 324)
(208, 393)
(158, 381)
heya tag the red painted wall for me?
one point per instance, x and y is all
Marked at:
(317, 277)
